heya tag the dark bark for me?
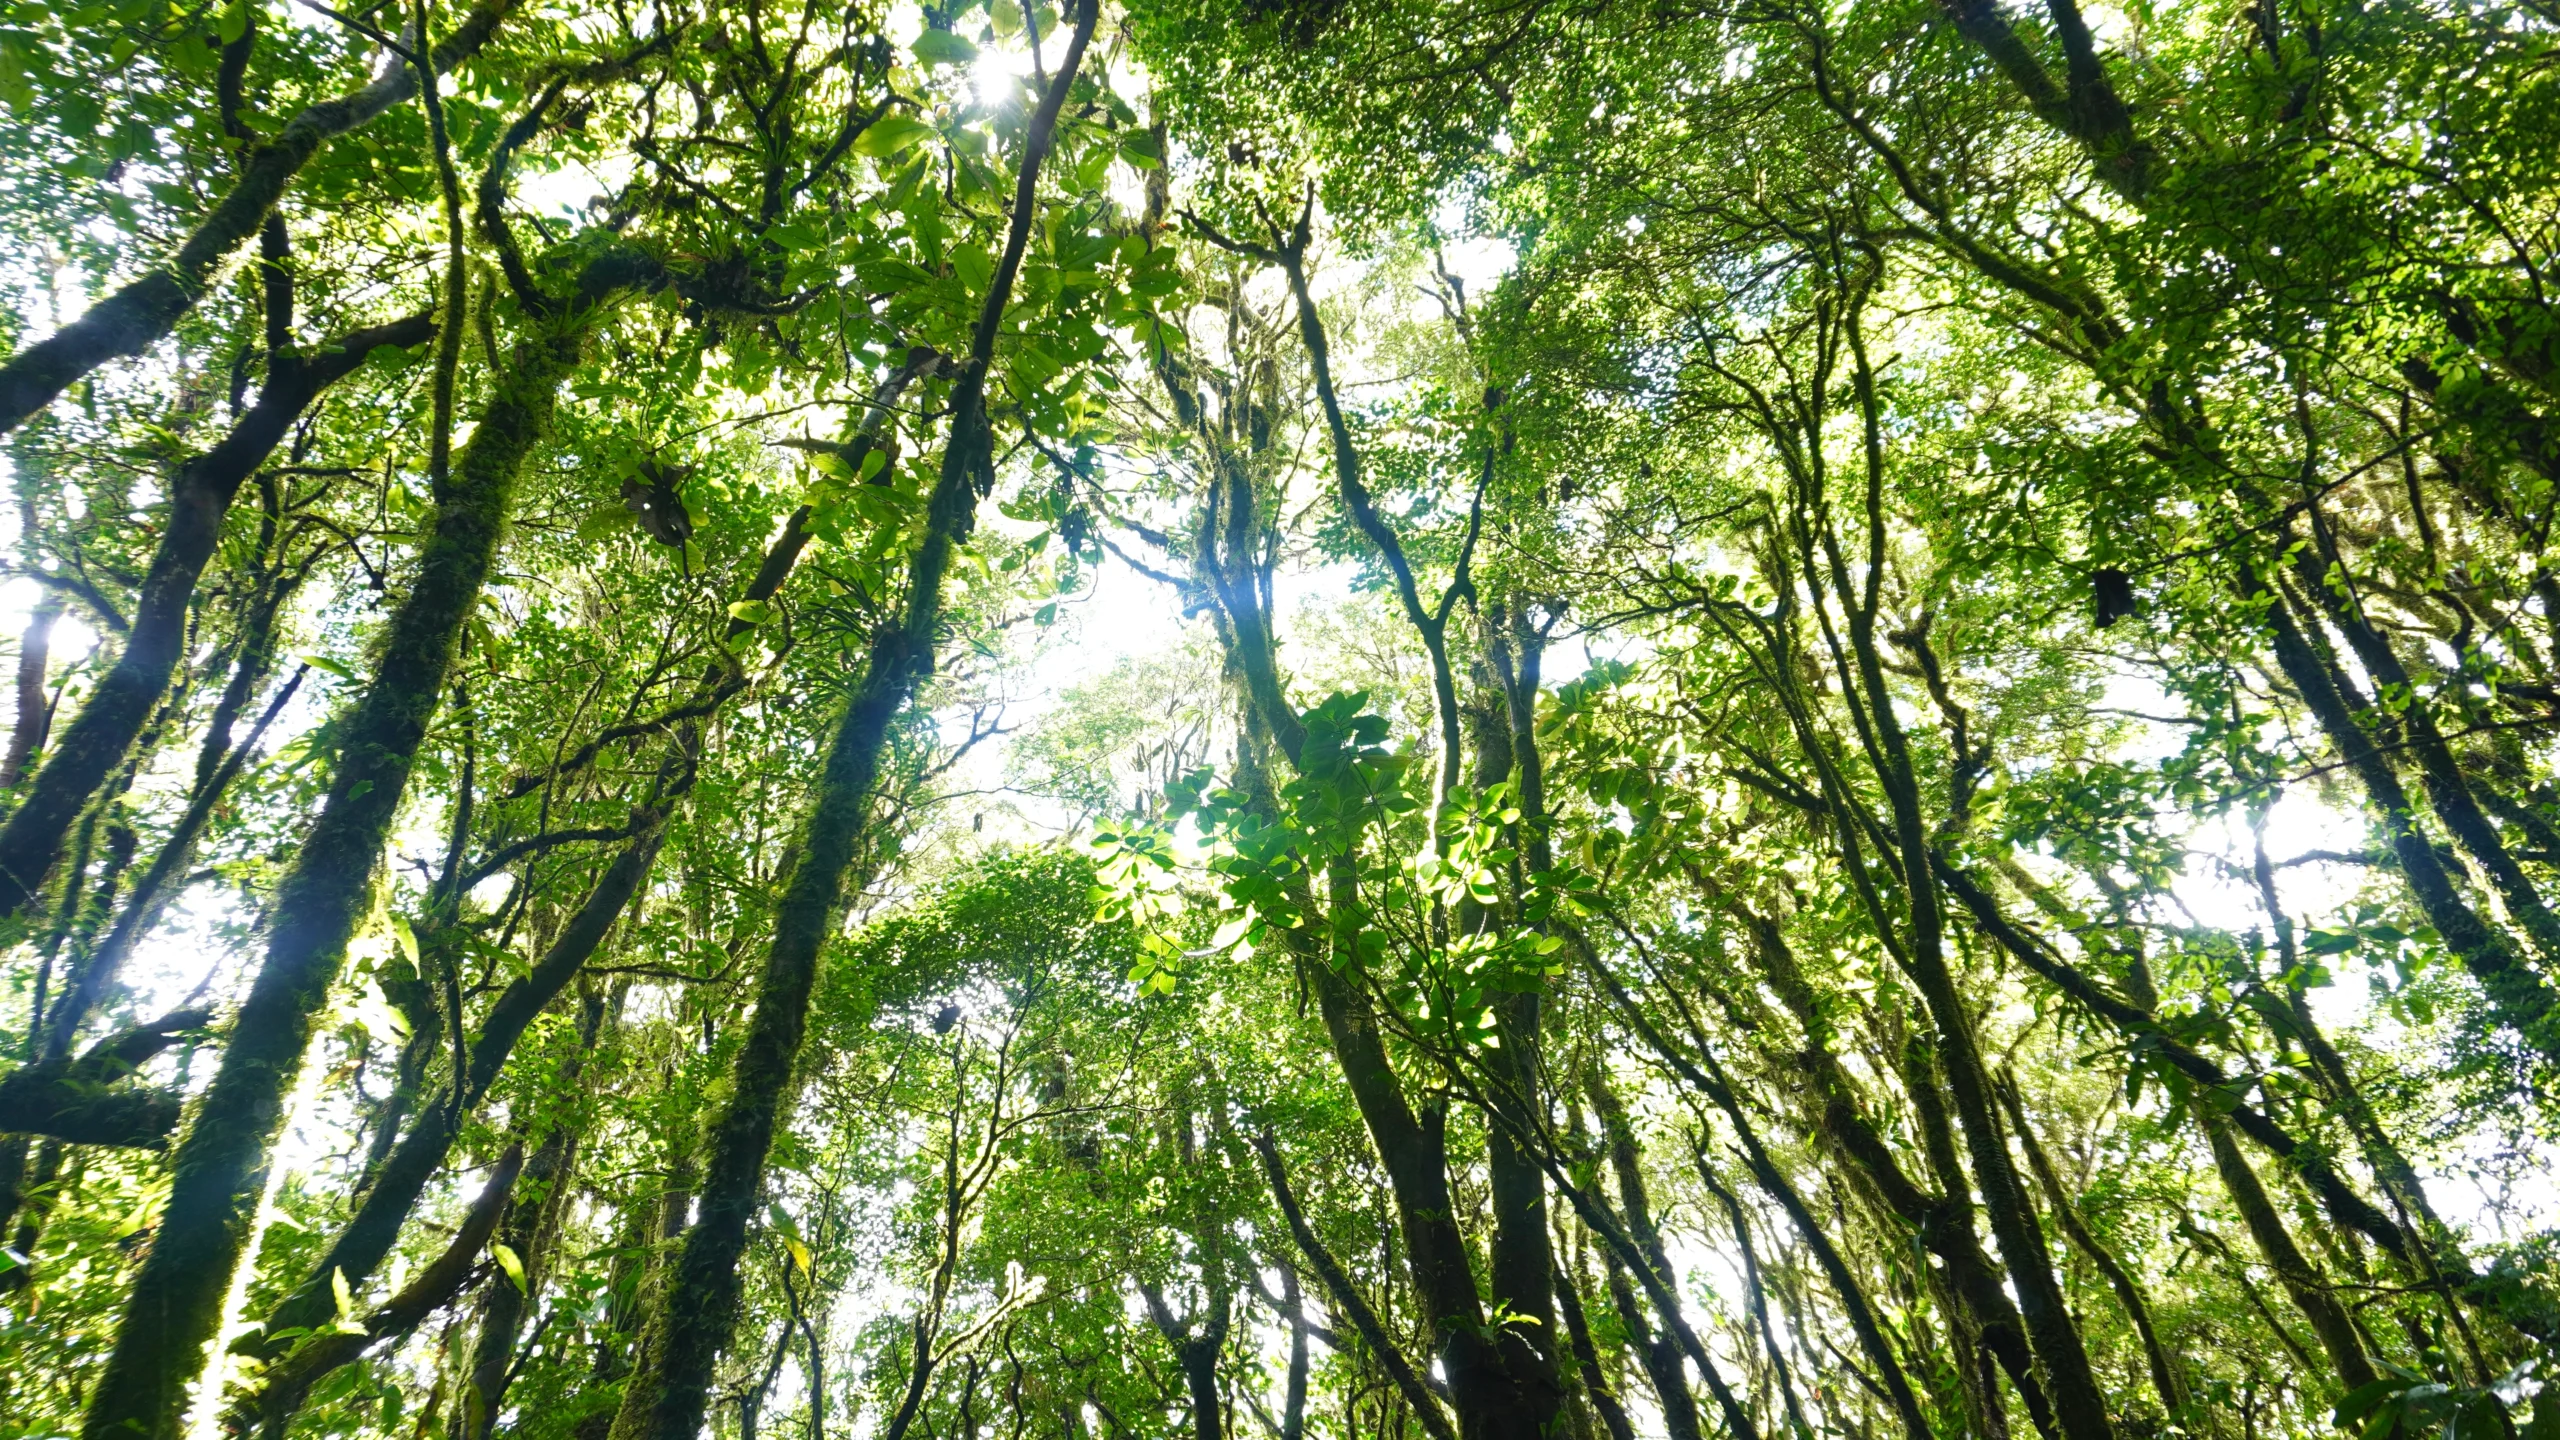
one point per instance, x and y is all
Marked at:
(1293, 1403)
(1521, 1260)
(1946, 1229)
(30, 1196)
(62, 1024)
(134, 318)
(70, 1100)
(532, 1230)
(98, 738)
(2079, 1403)
(2329, 1319)
(374, 1228)
(1586, 1357)
(2336, 1196)
(1347, 1299)
(1195, 1349)
(175, 1304)
(1666, 1303)
(281, 1390)
(1659, 1355)
(669, 1388)
(2164, 1373)
(2084, 105)
(2517, 996)
(35, 705)
(1758, 1295)
(1490, 1394)
(2448, 792)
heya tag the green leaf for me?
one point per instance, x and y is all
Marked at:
(751, 612)
(941, 47)
(407, 938)
(890, 134)
(1234, 930)
(508, 1261)
(1141, 149)
(606, 520)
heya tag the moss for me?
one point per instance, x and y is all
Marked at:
(220, 1168)
(103, 732)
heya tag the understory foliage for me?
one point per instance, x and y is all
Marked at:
(1330, 719)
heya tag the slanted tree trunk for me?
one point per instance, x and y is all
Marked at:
(133, 319)
(175, 1305)
(374, 1228)
(98, 738)
(2302, 1281)
(1586, 1356)
(2164, 1373)
(692, 1318)
(35, 704)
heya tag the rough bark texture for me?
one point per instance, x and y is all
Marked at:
(63, 1022)
(220, 1170)
(70, 1100)
(270, 1408)
(2164, 1374)
(1586, 1356)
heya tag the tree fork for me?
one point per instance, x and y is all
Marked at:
(175, 1304)
(103, 733)
(133, 319)
(692, 1318)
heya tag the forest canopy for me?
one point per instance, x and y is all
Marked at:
(1289, 720)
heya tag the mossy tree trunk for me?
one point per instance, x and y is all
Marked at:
(693, 1315)
(175, 1306)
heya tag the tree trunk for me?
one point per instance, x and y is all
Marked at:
(98, 738)
(35, 703)
(1586, 1356)
(375, 1226)
(691, 1321)
(175, 1305)
(2520, 999)
(2164, 1374)
(2329, 1319)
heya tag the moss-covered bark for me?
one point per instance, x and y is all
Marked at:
(692, 1317)
(370, 1233)
(99, 737)
(175, 1305)
(134, 318)
(2302, 1280)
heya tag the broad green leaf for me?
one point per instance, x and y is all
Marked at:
(510, 1263)
(1141, 149)
(890, 134)
(941, 47)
